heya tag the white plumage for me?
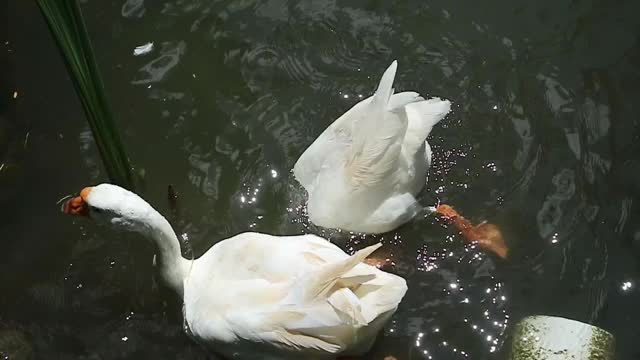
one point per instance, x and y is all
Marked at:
(257, 296)
(295, 297)
(363, 172)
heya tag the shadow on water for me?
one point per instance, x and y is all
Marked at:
(543, 140)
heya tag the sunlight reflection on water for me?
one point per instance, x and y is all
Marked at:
(233, 92)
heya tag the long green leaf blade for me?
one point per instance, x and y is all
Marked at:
(65, 21)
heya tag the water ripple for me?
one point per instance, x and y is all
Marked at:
(156, 70)
(133, 8)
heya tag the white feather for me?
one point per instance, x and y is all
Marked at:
(377, 139)
(363, 172)
(257, 296)
(423, 116)
(267, 292)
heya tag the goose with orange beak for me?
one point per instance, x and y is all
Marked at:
(258, 296)
(78, 205)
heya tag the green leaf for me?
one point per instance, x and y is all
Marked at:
(65, 22)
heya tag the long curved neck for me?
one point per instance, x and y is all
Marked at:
(173, 267)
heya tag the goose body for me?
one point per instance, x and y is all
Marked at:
(258, 296)
(294, 297)
(363, 172)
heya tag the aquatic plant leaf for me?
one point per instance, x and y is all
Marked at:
(64, 18)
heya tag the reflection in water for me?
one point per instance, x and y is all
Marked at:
(14, 344)
(156, 70)
(89, 151)
(133, 8)
(550, 215)
(542, 141)
(204, 177)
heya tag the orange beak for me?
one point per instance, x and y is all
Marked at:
(78, 205)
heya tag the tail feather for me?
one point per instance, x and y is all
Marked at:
(399, 100)
(377, 141)
(319, 283)
(385, 87)
(347, 307)
(422, 116)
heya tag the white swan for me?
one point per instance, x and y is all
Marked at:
(363, 172)
(256, 296)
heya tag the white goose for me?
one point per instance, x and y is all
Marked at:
(256, 296)
(363, 172)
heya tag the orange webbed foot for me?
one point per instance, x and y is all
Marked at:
(488, 236)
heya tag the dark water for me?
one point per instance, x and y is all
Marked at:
(543, 140)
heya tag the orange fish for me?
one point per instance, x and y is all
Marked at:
(487, 236)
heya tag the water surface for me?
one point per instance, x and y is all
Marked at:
(542, 140)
